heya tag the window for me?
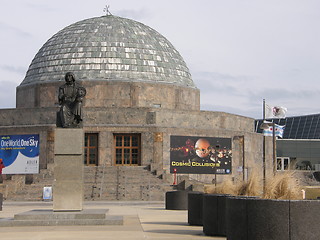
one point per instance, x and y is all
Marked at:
(91, 149)
(127, 149)
(283, 163)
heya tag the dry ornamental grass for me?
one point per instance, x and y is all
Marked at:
(281, 186)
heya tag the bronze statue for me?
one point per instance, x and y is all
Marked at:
(70, 98)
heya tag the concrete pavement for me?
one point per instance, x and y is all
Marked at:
(142, 220)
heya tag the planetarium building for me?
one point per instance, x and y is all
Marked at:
(142, 121)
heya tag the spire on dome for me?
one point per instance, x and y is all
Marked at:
(106, 10)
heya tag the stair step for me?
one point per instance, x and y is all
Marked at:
(101, 183)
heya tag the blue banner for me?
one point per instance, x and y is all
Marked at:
(19, 154)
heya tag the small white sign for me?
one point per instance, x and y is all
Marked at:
(47, 193)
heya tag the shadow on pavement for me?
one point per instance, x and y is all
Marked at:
(179, 232)
(167, 223)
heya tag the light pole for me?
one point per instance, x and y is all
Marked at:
(274, 148)
(264, 146)
(264, 126)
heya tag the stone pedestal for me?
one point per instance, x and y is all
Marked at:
(68, 170)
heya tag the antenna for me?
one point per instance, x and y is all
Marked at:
(106, 10)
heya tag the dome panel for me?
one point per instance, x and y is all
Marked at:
(109, 48)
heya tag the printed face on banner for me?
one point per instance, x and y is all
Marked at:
(19, 154)
(200, 155)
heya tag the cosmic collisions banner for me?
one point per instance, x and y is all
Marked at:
(200, 155)
(19, 154)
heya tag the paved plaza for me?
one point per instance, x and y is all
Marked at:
(142, 220)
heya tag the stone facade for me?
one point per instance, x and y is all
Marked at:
(148, 123)
(137, 83)
(114, 94)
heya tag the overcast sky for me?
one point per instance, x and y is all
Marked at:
(239, 52)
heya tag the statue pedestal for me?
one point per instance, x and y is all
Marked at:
(68, 169)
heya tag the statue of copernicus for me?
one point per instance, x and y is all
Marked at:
(70, 98)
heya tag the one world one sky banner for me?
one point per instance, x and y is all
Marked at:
(19, 154)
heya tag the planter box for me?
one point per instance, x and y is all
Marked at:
(177, 200)
(236, 218)
(304, 219)
(266, 219)
(214, 210)
(195, 208)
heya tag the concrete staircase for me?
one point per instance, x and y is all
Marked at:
(100, 183)
(27, 187)
(124, 183)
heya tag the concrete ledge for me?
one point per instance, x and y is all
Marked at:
(50, 218)
(110, 220)
(42, 214)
